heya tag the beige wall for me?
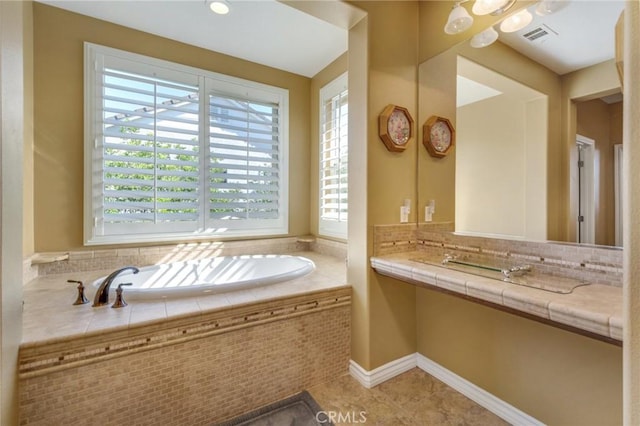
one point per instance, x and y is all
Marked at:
(391, 176)
(615, 117)
(331, 72)
(517, 67)
(358, 229)
(28, 171)
(507, 355)
(631, 279)
(386, 307)
(436, 96)
(540, 369)
(383, 318)
(14, 26)
(558, 377)
(436, 177)
(501, 167)
(58, 163)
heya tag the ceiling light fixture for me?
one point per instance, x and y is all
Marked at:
(493, 7)
(221, 7)
(516, 22)
(459, 20)
(484, 39)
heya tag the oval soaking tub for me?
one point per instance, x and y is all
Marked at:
(212, 275)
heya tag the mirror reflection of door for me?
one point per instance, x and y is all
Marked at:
(586, 190)
(618, 155)
(598, 119)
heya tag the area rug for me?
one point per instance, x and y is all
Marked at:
(297, 410)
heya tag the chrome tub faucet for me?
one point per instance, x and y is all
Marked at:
(102, 294)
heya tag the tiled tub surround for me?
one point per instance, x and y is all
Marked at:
(594, 310)
(194, 360)
(97, 259)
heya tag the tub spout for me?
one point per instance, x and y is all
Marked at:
(102, 294)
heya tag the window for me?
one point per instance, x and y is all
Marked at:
(173, 152)
(334, 148)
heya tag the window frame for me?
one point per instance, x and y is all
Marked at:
(329, 228)
(207, 82)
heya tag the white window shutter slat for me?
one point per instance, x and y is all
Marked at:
(168, 162)
(333, 179)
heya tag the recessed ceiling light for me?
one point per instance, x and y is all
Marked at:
(221, 7)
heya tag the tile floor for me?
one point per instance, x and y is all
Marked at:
(413, 398)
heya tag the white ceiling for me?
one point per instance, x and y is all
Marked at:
(476, 83)
(263, 31)
(470, 91)
(580, 34)
(272, 33)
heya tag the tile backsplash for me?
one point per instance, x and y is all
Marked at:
(596, 264)
(97, 259)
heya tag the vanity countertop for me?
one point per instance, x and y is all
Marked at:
(595, 308)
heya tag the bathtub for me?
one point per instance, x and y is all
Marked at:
(212, 275)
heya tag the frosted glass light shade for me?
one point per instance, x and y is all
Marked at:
(547, 7)
(459, 20)
(485, 7)
(485, 38)
(516, 21)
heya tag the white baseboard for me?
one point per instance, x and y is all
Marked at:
(500, 408)
(487, 400)
(369, 379)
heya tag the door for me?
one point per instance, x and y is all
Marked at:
(617, 158)
(586, 190)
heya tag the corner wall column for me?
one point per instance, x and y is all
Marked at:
(358, 259)
(631, 219)
(11, 148)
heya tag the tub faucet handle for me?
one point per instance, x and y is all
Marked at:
(81, 299)
(120, 303)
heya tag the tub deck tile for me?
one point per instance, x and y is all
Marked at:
(83, 349)
(58, 335)
(208, 303)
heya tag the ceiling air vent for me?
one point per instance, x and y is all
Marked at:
(539, 34)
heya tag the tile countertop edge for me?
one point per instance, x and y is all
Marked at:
(79, 350)
(567, 311)
(49, 297)
(160, 325)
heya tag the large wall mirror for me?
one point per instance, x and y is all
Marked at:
(538, 118)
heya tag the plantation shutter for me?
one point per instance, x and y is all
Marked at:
(334, 159)
(174, 152)
(244, 158)
(150, 153)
